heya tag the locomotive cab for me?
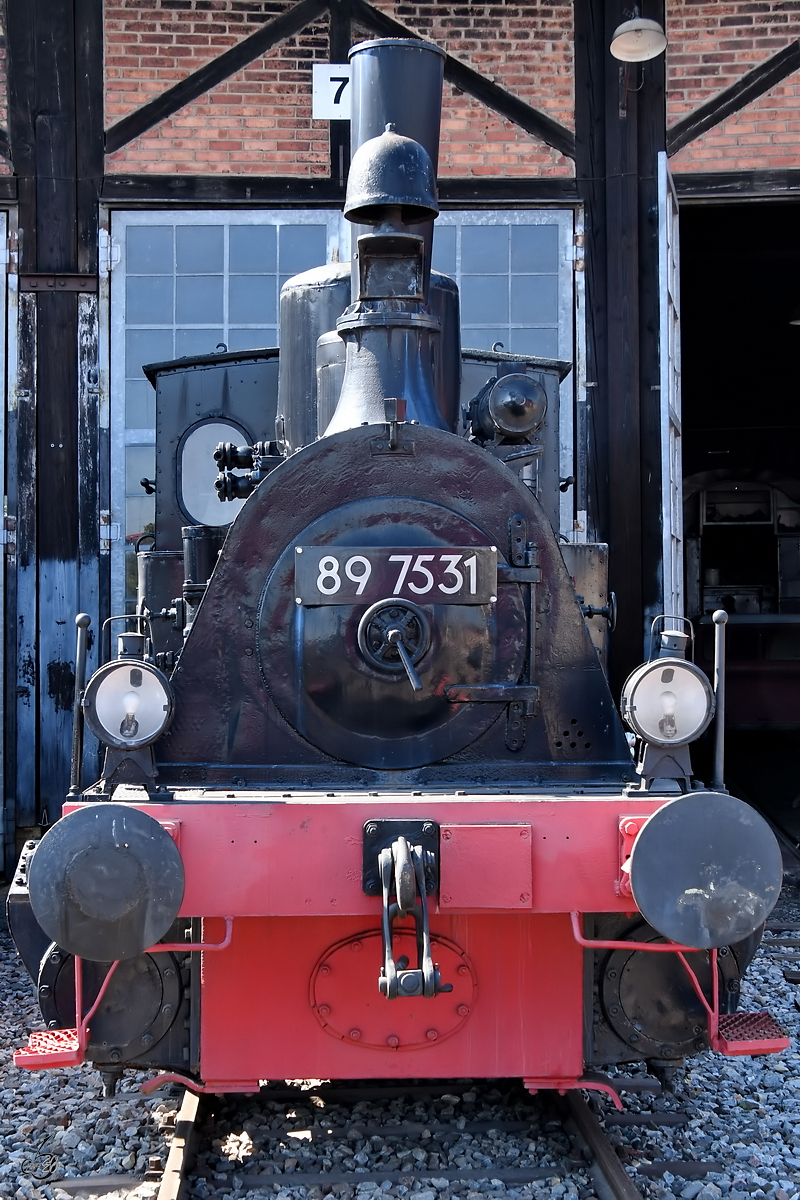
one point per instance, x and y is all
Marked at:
(385, 754)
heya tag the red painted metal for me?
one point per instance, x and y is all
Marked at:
(562, 1086)
(518, 1026)
(63, 1047)
(750, 1033)
(183, 947)
(262, 854)
(485, 866)
(158, 1081)
(349, 969)
(629, 828)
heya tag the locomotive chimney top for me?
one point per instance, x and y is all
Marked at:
(391, 172)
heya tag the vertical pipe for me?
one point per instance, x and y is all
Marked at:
(83, 621)
(720, 619)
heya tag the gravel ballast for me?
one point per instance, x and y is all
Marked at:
(743, 1116)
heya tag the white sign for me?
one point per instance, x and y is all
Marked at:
(330, 92)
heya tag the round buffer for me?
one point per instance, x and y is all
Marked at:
(106, 882)
(706, 870)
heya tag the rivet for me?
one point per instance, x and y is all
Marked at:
(248, 624)
(612, 974)
(393, 1040)
(523, 833)
(447, 834)
(248, 651)
(431, 1035)
(356, 946)
(167, 1010)
(525, 897)
(428, 828)
(463, 969)
(445, 898)
(463, 1010)
(115, 1055)
(44, 990)
(147, 1039)
(355, 1034)
(614, 1009)
(324, 969)
(323, 1010)
(634, 1037)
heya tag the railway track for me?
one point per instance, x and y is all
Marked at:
(569, 1142)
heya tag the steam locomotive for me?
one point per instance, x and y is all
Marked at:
(367, 807)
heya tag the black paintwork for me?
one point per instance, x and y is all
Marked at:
(231, 728)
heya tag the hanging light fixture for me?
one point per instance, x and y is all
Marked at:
(638, 40)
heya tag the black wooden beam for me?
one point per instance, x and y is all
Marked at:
(746, 89)
(281, 190)
(478, 86)
(738, 185)
(339, 45)
(191, 190)
(217, 71)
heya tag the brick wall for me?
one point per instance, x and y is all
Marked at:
(711, 45)
(259, 121)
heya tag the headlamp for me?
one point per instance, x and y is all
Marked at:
(667, 702)
(128, 704)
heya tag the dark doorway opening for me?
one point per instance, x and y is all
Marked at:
(740, 288)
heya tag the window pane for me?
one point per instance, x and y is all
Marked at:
(200, 248)
(198, 299)
(140, 463)
(302, 247)
(197, 341)
(484, 339)
(252, 299)
(252, 249)
(484, 299)
(444, 249)
(148, 300)
(146, 346)
(252, 339)
(484, 248)
(139, 514)
(534, 299)
(148, 249)
(140, 404)
(198, 473)
(541, 342)
(534, 248)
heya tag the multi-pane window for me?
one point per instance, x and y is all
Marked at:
(188, 284)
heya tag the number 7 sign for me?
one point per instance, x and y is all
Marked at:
(330, 92)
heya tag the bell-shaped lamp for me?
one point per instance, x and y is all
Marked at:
(638, 40)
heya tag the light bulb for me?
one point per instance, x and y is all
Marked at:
(667, 727)
(129, 726)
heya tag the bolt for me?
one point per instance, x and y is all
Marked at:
(431, 1035)
(371, 886)
(612, 974)
(524, 897)
(52, 1024)
(323, 1010)
(634, 1037)
(168, 973)
(723, 951)
(167, 1010)
(324, 969)
(428, 828)
(697, 1029)
(29, 845)
(445, 898)
(147, 1039)
(614, 1010)
(44, 990)
(523, 833)
(665, 1050)
(248, 624)
(699, 1043)
(447, 834)
(393, 1040)
(630, 828)
(733, 985)
(115, 1055)
(355, 1034)
(463, 1010)
(371, 829)
(356, 946)
(55, 958)
(463, 969)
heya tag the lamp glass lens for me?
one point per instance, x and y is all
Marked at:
(131, 704)
(670, 703)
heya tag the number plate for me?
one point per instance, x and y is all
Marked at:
(362, 575)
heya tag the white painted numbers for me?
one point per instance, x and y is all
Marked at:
(456, 575)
